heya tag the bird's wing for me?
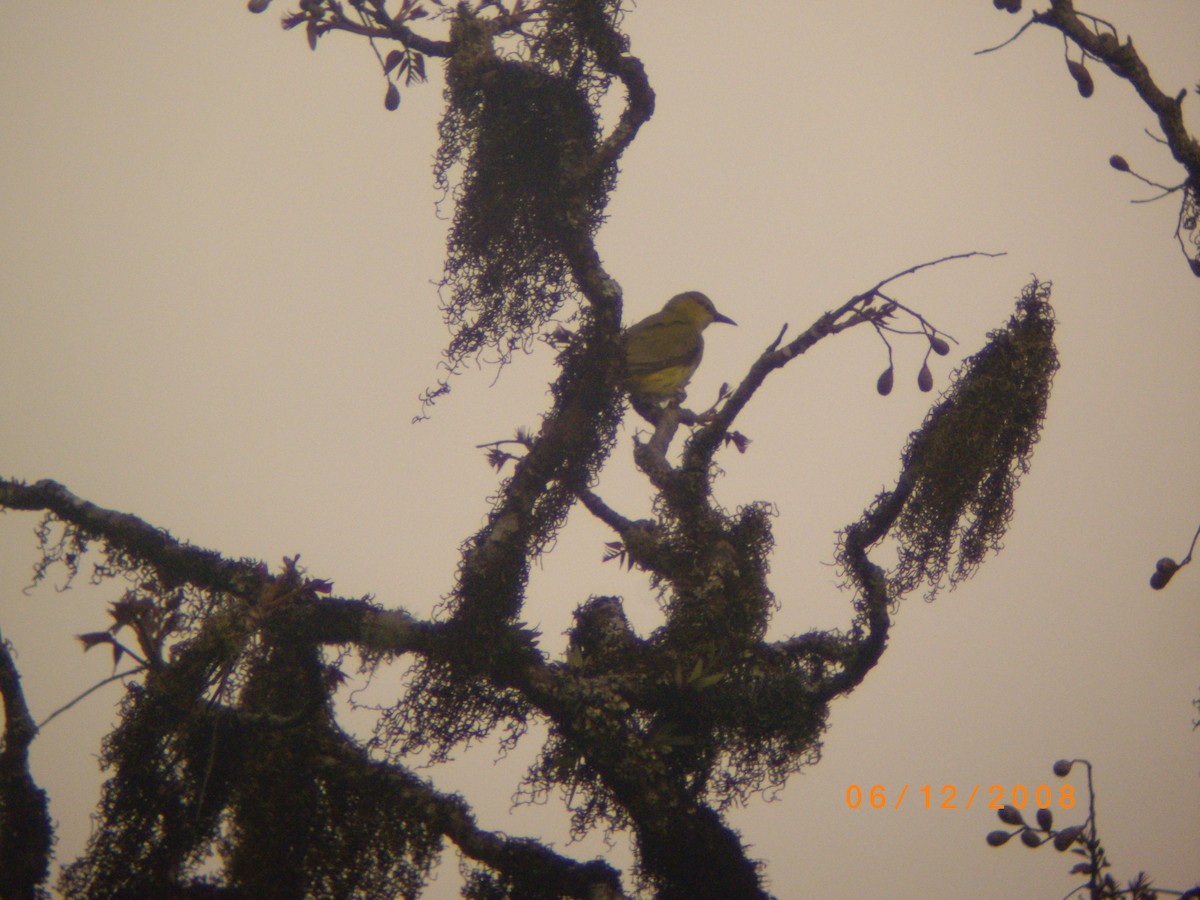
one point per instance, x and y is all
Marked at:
(651, 346)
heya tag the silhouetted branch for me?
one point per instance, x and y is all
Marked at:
(527, 865)
(1124, 61)
(26, 836)
(119, 676)
(175, 562)
(857, 310)
(1099, 40)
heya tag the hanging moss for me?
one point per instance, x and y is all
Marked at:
(966, 461)
(516, 140)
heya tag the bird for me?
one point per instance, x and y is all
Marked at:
(662, 351)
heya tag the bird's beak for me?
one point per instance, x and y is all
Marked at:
(717, 317)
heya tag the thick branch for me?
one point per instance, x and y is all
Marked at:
(574, 437)
(872, 622)
(681, 840)
(175, 562)
(340, 620)
(527, 861)
(26, 835)
(651, 456)
(668, 819)
(853, 655)
(639, 107)
(604, 512)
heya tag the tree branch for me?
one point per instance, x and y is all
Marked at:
(1125, 62)
(872, 622)
(174, 562)
(855, 311)
(342, 620)
(526, 861)
(639, 107)
(1099, 40)
(26, 834)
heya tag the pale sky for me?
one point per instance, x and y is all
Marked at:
(216, 312)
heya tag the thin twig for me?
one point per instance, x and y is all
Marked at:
(934, 262)
(95, 687)
(1187, 559)
(1020, 31)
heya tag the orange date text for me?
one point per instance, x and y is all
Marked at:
(950, 796)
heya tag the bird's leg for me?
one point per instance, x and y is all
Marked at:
(648, 410)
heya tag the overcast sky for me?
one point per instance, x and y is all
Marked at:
(216, 312)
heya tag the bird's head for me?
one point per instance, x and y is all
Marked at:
(696, 308)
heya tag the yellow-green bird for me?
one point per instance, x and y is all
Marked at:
(663, 350)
